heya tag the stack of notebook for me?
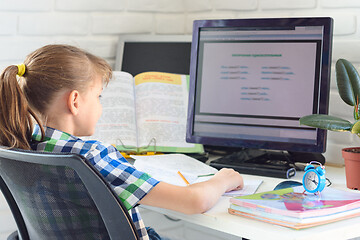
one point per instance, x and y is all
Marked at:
(291, 207)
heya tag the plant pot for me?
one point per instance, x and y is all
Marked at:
(352, 167)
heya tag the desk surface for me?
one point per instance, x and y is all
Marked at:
(219, 219)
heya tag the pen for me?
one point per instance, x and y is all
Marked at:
(206, 175)
(182, 176)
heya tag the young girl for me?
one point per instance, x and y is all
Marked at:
(53, 98)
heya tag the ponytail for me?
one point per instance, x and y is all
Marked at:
(16, 117)
(27, 90)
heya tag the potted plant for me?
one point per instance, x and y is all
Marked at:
(348, 83)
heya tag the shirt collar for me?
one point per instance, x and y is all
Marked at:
(50, 134)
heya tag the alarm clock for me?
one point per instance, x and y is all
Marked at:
(314, 178)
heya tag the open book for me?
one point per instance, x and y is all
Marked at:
(145, 113)
(165, 168)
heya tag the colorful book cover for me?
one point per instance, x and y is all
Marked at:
(292, 220)
(298, 225)
(296, 203)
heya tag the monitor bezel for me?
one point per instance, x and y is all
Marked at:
(324, 84)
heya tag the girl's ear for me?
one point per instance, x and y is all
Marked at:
(73, 102)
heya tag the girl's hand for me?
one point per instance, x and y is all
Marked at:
(231, 179)
(195, 198)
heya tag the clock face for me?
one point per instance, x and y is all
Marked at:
(311, 180)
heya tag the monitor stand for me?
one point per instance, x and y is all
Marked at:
(265, 162)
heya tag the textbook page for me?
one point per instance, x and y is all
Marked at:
(145, 113)
(164, 167)
(117, 125)
(161, 112)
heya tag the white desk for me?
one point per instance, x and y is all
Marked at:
(219, 219)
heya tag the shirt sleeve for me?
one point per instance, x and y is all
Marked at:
(129, 184)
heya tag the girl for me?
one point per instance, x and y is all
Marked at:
(53, 98)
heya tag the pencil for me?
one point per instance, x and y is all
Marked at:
(207, 175)
(182, 176)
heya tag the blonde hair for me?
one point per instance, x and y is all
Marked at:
(48, 70)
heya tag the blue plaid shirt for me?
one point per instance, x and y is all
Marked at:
(130, 184)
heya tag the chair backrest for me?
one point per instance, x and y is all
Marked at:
(61, 196)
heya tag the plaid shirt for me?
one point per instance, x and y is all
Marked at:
(130, 184)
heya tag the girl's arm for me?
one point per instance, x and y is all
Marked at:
(195, 198)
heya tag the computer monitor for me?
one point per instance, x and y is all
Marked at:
(163, 53)
(250, 82)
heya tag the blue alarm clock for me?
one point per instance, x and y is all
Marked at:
(314, 178)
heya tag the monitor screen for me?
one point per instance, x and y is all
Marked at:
(162, 53)
(252, 79)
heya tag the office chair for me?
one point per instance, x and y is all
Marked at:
(60, 196)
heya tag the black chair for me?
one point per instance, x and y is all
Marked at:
(61, 196)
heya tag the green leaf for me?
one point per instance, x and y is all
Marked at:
(326, 122)
(348, 81)
(356, 128)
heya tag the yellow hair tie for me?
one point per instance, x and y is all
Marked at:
(21, 69)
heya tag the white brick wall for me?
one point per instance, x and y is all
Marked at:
(90, 5)
(122, 23)
(47, 24)
(286, 4)
(8, 23)
(96, 24)
(241, 5)
(339, 4)
(167, 6)
(26, 6)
